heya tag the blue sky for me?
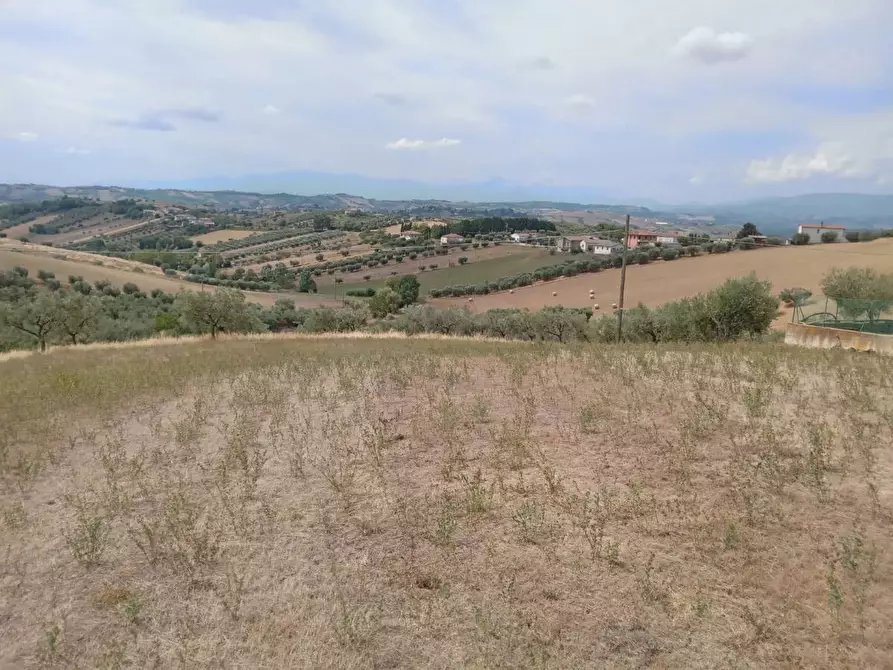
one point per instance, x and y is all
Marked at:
(695, 100)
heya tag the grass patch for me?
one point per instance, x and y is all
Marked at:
(524, 260)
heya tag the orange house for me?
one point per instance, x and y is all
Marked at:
(637, 237)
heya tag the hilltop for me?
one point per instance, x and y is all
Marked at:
(345, 502)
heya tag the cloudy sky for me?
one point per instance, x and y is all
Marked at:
(678, 101)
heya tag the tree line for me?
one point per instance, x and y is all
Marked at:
(37, 313)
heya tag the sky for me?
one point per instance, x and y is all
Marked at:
(684, 101)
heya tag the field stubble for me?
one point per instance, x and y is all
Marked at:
(415, 503)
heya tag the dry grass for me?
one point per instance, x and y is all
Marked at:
(444, 503)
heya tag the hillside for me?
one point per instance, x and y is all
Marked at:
(355, 503)
(661, 282)
(92, 267)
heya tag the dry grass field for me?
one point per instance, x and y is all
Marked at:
(409, 502)
(222, 236)
(660, 282)
(119, 271)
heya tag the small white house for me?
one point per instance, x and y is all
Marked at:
(521, 237)
(668, 237)
(410, 235)
(598, 246)
(815, 231)
(451, 238)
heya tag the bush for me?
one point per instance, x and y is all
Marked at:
(386, 301)
(360, 292)
(747, 244)
(669, 254)
(130, 288)
(829, 236)
(774, 241)
(643, 258)
(800, 239)
(463, 260)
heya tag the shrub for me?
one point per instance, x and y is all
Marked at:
(360, 292)
(747, 244)
(774, 241)
(463, 260)
(130, 288)
(669, 254)
(800, 239)
(829, 236)
(643, 258)
(386, 301)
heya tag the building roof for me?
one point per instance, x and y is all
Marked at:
(822, 226)
(640, 233)
(601, 241)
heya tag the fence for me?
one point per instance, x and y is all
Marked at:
(864, 316)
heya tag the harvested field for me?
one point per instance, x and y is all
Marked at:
(223, 236)
(357, 503)
(661, 281)
(23, 229)
(119, 272)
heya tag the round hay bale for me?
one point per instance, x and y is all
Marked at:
(591, 297)
(613, 305)
(512, 291)
(595, 307)
(471, 300)
(554, 294)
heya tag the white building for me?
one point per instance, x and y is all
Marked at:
(451, 238)
(521, 237)
(598, 246)
(815, 231)
(668, 237)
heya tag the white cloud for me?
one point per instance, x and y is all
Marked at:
(707, 46)
(25, 136)
(404, 143)
(270, 110)
(76, 151)
(696, 180)
(854, 147)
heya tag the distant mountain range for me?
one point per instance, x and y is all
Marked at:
(772, 215)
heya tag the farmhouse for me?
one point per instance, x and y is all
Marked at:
(409, 235)
(521, 237)
(637, 237)
(668, 237)
(599, 246)
(815, 231)
(566, 243)
(451, 238)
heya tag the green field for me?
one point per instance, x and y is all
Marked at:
(525, 260)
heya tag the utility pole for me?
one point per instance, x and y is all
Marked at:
(622, 282)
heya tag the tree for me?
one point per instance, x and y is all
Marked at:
(306, 283)
(852, 236)
(829, 236)
(407, 287)
(463, 260)
(859, 291)
(38, 317)
(743, 306)
(207, 312)
(747, 230)
(77, 316)
(384, 302)
(800, 239)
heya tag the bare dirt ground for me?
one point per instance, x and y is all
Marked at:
(660, 281)
(118, 271)
(223, 236)
(412, 503)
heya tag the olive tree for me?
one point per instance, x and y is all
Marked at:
(37, 317)
(212, 312)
